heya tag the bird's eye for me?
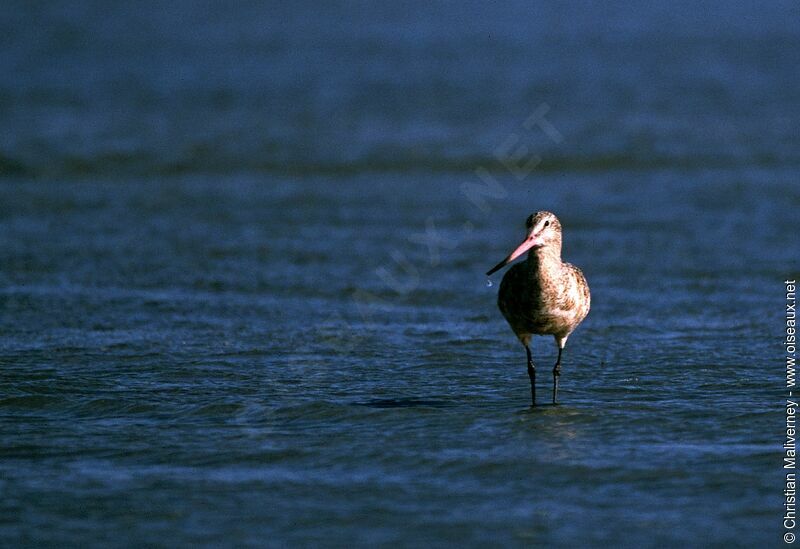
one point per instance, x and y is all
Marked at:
(547, 223)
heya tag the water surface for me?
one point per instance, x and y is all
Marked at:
(225, 319)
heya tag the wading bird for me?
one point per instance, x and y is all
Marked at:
(542, 295)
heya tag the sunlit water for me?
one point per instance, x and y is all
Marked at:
(242, 287)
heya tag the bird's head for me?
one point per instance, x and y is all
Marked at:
(542, 232)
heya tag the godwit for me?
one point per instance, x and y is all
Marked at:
(542, 295)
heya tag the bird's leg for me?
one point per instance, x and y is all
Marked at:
(532, 375)
(556, 375)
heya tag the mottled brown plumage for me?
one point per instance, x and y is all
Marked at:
(542, 295)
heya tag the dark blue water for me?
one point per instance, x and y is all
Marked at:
(242, 250)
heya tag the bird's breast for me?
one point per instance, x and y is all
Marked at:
(542, 301)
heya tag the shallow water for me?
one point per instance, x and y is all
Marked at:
(242, 286)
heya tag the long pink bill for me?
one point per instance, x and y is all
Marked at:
(526, 245)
